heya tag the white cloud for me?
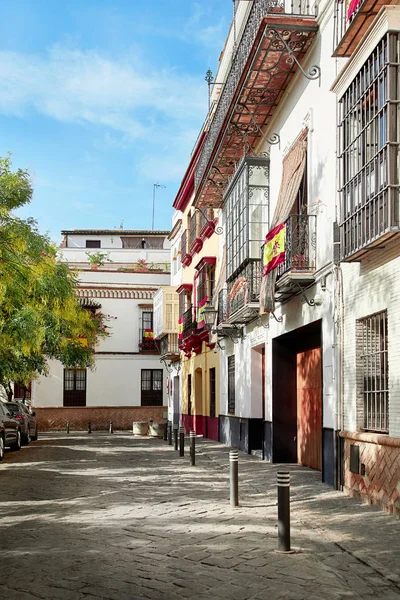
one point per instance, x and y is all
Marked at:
(76, 86)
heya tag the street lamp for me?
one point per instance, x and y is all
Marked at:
(209, 315)
(155, 185)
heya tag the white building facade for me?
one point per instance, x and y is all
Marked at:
(119, 272)
(302, 155)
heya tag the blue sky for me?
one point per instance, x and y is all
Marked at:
(100, 99)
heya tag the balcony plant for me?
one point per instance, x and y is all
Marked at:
(97, 259)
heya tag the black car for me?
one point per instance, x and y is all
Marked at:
(26, 419)
(10, 431)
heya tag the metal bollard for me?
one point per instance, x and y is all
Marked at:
(176, 437)
(111, 428)
(89, 427)
(169, 433)
(67, 426)
(283, 480)
(192, 448)
(181, 441)
(234, 477)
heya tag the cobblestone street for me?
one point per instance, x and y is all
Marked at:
(101, 516)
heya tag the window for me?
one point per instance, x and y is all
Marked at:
(246, 209)
(212, 392)
(151, 387)
(74, 387)
(93, 243)
(373, 376)
(369, 144)
(189, 392)
(231, 385)
(20, 391)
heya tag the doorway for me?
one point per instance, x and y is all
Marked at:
(297, 397)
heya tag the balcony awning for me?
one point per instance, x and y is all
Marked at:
(252, 92)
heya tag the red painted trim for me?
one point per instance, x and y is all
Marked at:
(196, 246)
(206, 260)
(186, 260)
(184, 287)
(186, 189)
(211, 428)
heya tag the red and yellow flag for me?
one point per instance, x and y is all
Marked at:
(180, 328)
(274, 248)
(148, 334)
(352, 5)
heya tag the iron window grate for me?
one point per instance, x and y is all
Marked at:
(369, 145)
(375, 373)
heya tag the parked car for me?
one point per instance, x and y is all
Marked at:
(26, 419)
(10, 431)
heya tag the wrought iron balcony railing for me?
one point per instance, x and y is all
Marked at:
(244, 291)
(223, 306)
(300, 245)
(169, 345)
(351, 21)
(148, 345)
(184, 243)
(188, 323)
(259, 10)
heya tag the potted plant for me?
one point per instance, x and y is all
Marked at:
(97, 259)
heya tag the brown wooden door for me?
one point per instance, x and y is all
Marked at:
(309, 408)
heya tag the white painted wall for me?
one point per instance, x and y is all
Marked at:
(372, 286)
(110, 242)
(116, 381)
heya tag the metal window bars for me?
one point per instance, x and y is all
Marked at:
(374, 356)
(368, 154)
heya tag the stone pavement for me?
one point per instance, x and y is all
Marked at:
(113, 517)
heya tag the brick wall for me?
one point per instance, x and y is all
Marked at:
(55, 419)
(378, 481)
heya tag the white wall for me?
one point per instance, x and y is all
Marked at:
(124, 256)
(372, 286)
(116, 381)
(109, 242)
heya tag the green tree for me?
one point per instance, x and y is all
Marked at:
(40, 315)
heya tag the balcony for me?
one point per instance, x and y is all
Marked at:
(186, 257)
(222, 307)
(352, 20)
(165, 316)
(169, 346)
(243, 293)
(298, 269)
(275, 40)
(147, 344)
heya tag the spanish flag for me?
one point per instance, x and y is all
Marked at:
(352, 6)
(148, 334)
(274, 248)
(180, 328)
(200, 313)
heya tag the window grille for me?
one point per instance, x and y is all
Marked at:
(184, 245)
(375, 376)
(369, 146)
(212, 392)
(231, 385)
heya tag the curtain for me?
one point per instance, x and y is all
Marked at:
(292, 175)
